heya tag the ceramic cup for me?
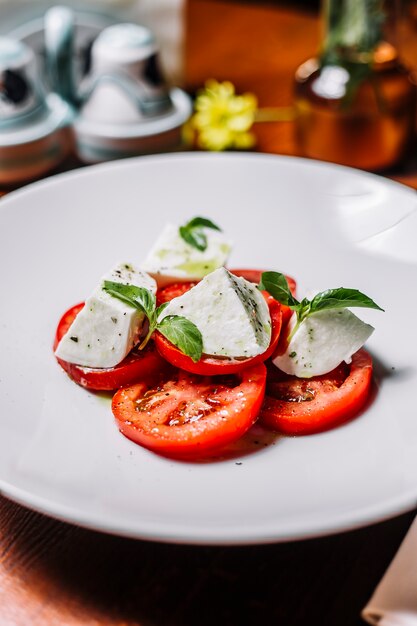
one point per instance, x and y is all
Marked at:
(124, 105)
(34, 128)
(20, 96)
(125, 84)
(127, 107)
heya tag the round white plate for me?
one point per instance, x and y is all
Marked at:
(60, 451)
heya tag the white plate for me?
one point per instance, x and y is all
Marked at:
(60, 451)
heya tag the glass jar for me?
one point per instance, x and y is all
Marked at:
(355, 102)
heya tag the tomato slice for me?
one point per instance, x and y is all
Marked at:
(65, 322)
(296, 406)
(188, 416)
(138, 365)
(212, 366)
(254, 276)
(168, 293)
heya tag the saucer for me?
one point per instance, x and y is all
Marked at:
(98, 141)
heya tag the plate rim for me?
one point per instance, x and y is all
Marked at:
(174, 532)
(88, 169)
(190, 536)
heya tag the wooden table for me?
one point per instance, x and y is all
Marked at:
(55, 573)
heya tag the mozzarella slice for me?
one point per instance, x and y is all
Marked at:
(230, 313)
(106, 329)
(172, 259)
(322, 341)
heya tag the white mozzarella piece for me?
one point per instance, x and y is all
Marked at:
(172, 259)
(106, 329)
(322, 341)
(230, 313)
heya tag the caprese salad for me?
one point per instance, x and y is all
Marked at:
(196, 353)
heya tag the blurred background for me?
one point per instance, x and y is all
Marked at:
(333, 80)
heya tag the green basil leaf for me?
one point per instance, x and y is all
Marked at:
(125, 293)
(160, 309)
(303, 309)
(193, 234)
(276, 285)
(183, 334)
(138, 297)
(341, 298)
(200, 222)
(194, 237)
(146, 300)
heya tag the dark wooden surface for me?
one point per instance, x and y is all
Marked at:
(55, 573)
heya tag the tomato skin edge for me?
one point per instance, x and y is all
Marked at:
(111, 379)
(308, 418)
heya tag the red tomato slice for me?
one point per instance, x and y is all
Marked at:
(212, 366)
(297, 406)
(138, 365)
(65, 322)
(188, 416)
(254, 276)
(168, 293)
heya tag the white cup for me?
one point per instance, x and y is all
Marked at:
(125, 84)
(20, 94)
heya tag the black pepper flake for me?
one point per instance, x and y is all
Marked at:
(238, 463)
(74, 339)
(114, 320)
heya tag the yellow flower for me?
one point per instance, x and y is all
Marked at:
(222, 119)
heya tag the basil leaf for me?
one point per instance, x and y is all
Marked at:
(183, 334)
(341, 298)
(146, 300)
(160, 309)
(194, 237)
(201, 222)
(193, 234)
(125, 293)
(138, 297)
(276, 285)
(303, 309)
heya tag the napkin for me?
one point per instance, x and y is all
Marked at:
(394, 602)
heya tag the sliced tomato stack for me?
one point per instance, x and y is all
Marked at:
(138, 365)
(176, 407)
